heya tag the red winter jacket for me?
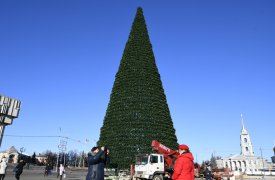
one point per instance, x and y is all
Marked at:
(184, 167)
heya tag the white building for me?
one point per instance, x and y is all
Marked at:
(246, 162)
(10, 155)
(41, 158)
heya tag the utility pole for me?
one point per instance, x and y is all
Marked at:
(62, 148)
(83, 154)
(58, 154)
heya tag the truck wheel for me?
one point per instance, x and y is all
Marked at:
(158, 177)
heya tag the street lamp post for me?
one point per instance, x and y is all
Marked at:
(9, 109)
(262, 162)
(62, 148)
(22, 149)
(57, 159)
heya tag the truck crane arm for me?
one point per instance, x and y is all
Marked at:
(168, 154)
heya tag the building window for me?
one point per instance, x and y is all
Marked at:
(246, 148)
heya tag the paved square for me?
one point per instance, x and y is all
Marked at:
(38, 174)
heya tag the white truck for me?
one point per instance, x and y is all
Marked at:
(156, 166)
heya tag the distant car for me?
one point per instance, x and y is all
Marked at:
(124, 175)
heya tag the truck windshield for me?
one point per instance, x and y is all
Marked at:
(142, 160)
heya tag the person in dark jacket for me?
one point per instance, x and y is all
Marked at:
(88, 176)
(47, 169)
(93, 160)
(184, 166)
(208, 173)
(102, 163)
(19, 169)
(90, 163)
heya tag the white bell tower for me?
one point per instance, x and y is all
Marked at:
(246, 145)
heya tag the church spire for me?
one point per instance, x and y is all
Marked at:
(244, 131)
(246, 145)
(242, 121)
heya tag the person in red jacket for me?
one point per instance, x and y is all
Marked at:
(184, 166)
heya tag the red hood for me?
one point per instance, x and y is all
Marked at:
(188, 155)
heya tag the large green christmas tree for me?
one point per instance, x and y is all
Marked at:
(138, 111)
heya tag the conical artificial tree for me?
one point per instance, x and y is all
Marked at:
(138, 111)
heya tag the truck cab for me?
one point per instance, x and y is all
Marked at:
(149, 166)
(158, 165)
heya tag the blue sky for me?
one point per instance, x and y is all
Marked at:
(215, 58)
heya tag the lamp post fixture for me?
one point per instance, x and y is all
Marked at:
(9, 109)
